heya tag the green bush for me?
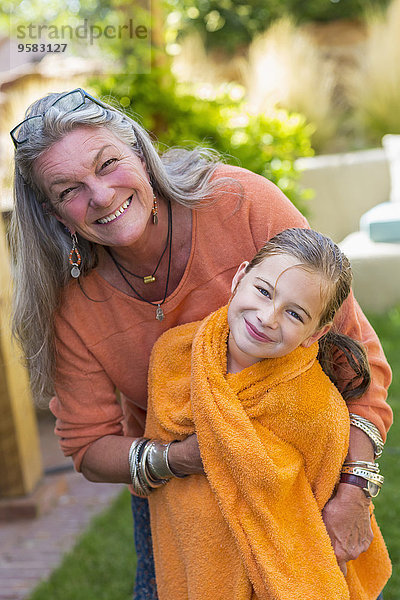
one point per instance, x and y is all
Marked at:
(229, 24)
(267, 144)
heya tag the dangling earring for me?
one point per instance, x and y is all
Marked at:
(75, 262)
(155, 211)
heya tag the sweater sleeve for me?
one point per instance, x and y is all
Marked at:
(271, 212)
(85, 405)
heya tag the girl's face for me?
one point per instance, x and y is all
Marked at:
(97, 185)
(276, 308)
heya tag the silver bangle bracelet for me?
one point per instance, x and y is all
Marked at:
(167, 459)
(157, 460)
(145, 475)
(158, 463)
(139, 484)
(149, 466)
(370, 430)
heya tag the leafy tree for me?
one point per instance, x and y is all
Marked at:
(229, 24)
(266, 144)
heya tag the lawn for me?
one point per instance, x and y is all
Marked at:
(388, 502)
(101, 565)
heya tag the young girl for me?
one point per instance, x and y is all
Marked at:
(272, 431)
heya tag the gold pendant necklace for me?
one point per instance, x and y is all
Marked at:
(147, 278)
(159, 311)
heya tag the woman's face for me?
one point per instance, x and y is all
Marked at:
(98, 187)
(276, 307)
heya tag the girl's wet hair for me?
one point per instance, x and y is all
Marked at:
(318, 253)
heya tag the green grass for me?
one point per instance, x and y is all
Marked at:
(388, 502)
(101, 565)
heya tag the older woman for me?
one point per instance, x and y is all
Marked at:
(113, 245)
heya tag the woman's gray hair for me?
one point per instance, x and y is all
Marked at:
(40, 244)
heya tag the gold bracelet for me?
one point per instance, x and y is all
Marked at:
(370, 430)
(371, 466)
(365, 474)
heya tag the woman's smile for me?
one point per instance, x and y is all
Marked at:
(116, 214)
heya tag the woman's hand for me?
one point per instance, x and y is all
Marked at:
(346, 515)
(347, 520)
(184, 457)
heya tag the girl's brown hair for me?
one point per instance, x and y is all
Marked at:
(320, 254)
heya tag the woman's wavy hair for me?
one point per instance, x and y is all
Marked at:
(318, 253)
(40, 244)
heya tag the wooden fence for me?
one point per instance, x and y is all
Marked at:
(20, 457)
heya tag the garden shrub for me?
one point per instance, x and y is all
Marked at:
(229, 24)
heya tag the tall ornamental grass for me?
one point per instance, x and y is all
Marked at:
(374, 88)
(286, 69)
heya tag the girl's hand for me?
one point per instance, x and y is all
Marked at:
(184, 457)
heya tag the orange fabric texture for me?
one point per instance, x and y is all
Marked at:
(104, 339)
(272, 438)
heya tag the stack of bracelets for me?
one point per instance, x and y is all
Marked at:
(149, 466)
(363, 474)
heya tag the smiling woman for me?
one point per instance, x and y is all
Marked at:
(156, 240)
(91, 189)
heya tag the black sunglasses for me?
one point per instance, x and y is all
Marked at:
(68, 103)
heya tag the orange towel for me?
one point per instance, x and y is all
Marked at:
(272, 439)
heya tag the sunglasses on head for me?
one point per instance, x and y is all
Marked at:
(67, 102)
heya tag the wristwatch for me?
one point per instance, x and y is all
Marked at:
(370, 488)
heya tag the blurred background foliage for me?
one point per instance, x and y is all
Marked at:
(230, 24)
(263, 82)
(265, 143)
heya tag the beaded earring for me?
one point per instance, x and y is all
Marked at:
(75, 261)
(155, 211)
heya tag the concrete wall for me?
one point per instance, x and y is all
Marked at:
(346, 186)
(375, 267)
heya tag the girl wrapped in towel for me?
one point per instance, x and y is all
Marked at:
(252, 380)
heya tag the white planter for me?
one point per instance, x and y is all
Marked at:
(346, 186)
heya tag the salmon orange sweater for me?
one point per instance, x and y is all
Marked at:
(272, 438)
(104, 337)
